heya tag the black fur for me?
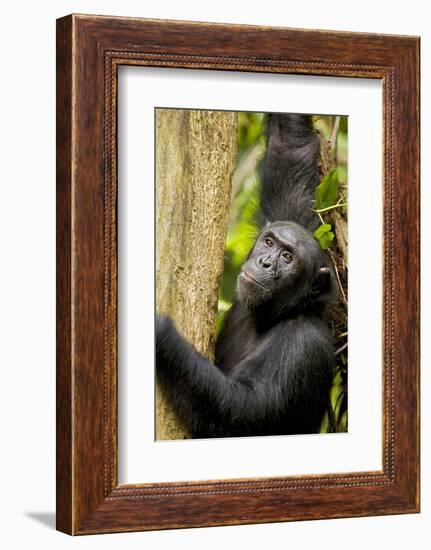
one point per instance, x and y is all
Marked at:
(290, 171)
(274, 355)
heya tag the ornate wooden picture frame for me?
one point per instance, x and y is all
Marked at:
(89, 51)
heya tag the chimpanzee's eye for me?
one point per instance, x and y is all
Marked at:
(287, 256)
(268, 243)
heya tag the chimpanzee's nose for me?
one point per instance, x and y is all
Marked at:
(265, 262)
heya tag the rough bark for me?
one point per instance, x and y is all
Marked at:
(195, 160)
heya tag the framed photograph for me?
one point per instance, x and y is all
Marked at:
(237, 274)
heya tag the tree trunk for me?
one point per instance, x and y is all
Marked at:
(195, 160)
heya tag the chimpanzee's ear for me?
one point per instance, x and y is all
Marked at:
(324, 273)
(322, 283)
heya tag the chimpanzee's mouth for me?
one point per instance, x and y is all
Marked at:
(250, 279)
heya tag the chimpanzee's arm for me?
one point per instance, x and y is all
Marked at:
(256, 400)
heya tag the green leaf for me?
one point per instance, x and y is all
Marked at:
(324, 426)
(324, 235)
(326, 240)
(322, 229)
(327, 190)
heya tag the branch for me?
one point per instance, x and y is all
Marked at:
(338, 276)
(341, 349)
(338, 205)
(334, 135)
